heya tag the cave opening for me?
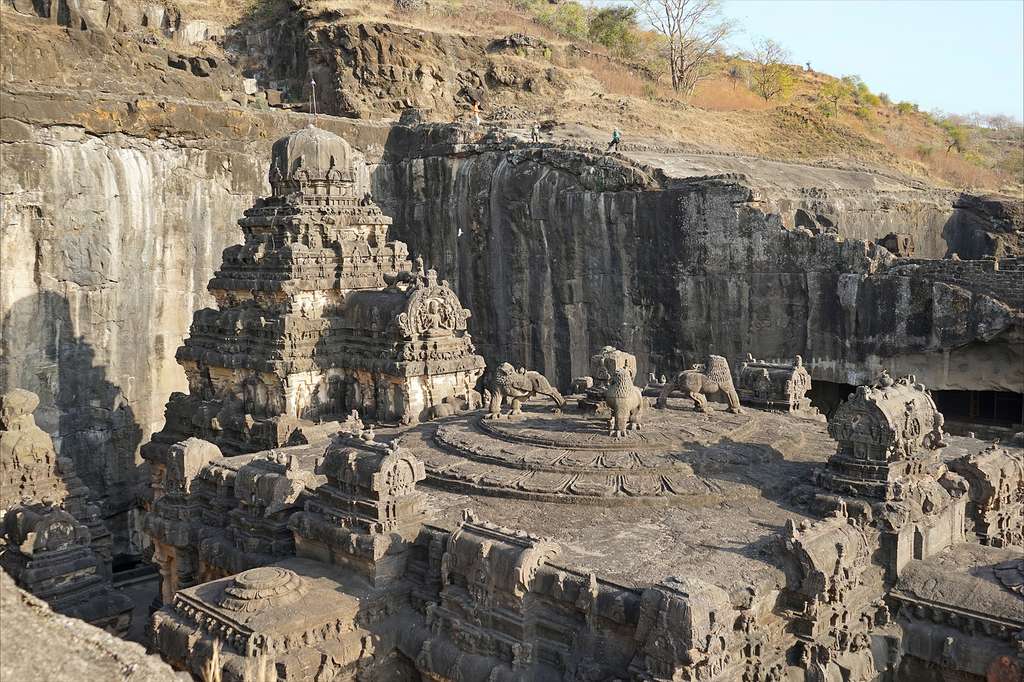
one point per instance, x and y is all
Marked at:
(828, 395)
(987, 408)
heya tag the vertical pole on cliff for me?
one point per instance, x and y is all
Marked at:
(312, 99)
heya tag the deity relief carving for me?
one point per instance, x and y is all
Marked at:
(433, 311)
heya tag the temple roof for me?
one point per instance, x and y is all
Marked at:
(314, 149)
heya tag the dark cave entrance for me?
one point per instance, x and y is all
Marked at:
(980, 411)
(827, 395)
(986, 408)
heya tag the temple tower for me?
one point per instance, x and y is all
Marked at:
(318, 313)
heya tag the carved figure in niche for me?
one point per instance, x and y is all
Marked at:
(625, 402)
(515, 386)
(303, 400)
(711, 378)
(936, 438)
(436, 319)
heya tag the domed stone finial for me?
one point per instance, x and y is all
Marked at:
(314, 150)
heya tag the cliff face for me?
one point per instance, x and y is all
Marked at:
(107, 245)
(38, 644)
(558, 252)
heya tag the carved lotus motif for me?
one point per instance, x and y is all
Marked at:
(256, 588)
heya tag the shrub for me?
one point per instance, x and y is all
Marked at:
(904, 108)
(835, 92)
(957, 136)
(885, 99)
(870, 98)
(568, 19)
(863, 113)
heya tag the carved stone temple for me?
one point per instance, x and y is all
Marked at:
(331, 501)
(52, 540)
(318, 314)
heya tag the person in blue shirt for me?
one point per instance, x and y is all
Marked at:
(614, 144)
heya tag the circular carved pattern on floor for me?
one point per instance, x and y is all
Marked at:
(571, 458)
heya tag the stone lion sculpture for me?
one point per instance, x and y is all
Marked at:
(514, 386)
(711, 378)
(625, 402)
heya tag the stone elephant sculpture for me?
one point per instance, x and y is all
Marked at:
(515, 386)
(626, 403)
(711, 378)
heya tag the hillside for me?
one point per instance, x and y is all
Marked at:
(372, 60)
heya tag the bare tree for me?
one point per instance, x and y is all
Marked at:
(695, 29)
(771, 76)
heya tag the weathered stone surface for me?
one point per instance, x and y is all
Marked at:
(37, 644)
(31, 472)
(48, 552)
(540, 242)
(718, 585)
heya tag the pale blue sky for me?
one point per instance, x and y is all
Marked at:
(960, 56)
(956, 55)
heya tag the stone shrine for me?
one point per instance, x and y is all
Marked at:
(308, 520)
(370, 576)
(318, 314)
(53, 541)
(774, 385)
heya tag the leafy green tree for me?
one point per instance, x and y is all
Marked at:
(958, 136)
(568, 19)
(616, 28)
(571, 20)
(904, 108)
(835, 92)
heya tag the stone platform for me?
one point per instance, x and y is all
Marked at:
(570, 458)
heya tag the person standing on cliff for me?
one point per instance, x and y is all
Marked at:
(535, 133)
(614, 144)
(476, 112)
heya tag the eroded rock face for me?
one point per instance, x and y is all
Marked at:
(40, 644)
(546, 245)
(103, 243)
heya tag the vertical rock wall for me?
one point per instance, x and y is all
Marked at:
(554, 265)
(109, 240)
(107, 246)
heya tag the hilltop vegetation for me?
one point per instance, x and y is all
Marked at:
(969, 151)
(601, 68)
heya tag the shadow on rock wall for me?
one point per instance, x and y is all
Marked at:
(88, 416)
(985, 226)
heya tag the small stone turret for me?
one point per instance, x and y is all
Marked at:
(49, 555)
(367, 514)
(31, 472)
(888, 434)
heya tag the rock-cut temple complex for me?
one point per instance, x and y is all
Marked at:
(344, 494)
